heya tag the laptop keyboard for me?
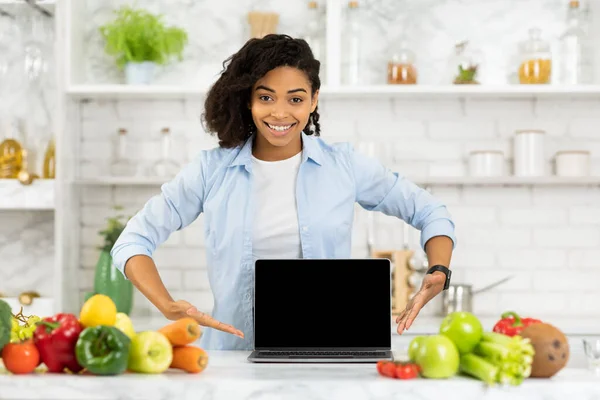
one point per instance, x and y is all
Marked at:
(322, 353)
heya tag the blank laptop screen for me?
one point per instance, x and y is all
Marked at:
(322, 304)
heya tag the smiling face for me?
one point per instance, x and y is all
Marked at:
(281, 104)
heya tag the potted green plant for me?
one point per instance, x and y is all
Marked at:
(140, 41)
(107, 279)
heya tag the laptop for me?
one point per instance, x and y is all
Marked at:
(325, 311)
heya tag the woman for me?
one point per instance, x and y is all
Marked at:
(272, 189)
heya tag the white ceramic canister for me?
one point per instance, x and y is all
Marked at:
(573, 163)
(486, 163)
(529, 154)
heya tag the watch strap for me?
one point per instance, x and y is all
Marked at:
(443, 269)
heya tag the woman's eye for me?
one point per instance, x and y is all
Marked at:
(296, 100)
(264, 98)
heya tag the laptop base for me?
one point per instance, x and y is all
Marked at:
(267, 356)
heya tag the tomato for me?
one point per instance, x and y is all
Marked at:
(380, 365)
(407, 371)
(389, 369)
(21, 358)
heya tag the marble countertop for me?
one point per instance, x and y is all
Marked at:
(230, 376)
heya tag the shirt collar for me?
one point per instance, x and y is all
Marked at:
(310, 150)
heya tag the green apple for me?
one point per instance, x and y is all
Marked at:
(464, 329)
(437, 357)
(150, 353)
(413, 347)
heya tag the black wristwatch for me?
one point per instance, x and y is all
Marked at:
(443, 269)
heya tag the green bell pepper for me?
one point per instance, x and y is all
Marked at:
(103, 350)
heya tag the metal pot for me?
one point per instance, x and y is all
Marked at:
(459, 297)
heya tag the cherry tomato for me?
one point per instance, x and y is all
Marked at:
(380, 365)
(389, 369)
(407, 371)
(21, 358)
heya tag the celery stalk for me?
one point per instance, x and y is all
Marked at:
(500, 358)
(493, 351)
(479, 367)
(496, 338)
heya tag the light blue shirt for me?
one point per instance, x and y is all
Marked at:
(331, 179)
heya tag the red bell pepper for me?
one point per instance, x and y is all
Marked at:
(55, 337)
(512, 324)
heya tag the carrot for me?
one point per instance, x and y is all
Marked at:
(182, 332)
(190, 359)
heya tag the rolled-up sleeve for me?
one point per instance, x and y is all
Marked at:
(178, 204)
(379, 189)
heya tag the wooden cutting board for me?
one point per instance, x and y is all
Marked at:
(401, 290)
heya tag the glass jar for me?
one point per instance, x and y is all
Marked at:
(535, 59)
(464, 64)
(11, 151)
(401, 66)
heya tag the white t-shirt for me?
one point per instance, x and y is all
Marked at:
(275, 233)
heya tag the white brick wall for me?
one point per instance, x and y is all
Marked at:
(546, 237)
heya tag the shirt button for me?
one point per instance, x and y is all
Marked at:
(304, 228)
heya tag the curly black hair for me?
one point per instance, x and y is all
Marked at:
(226, 111)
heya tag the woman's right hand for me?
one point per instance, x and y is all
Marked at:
(181, 309)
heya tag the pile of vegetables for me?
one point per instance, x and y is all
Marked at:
(186, 357)
(504, 356)
(97, 343)
(498, 358)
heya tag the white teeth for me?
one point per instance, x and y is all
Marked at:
(279, 128)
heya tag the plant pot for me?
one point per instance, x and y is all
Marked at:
(140, 73)
(109, 281)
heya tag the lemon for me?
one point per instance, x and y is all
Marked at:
(124, 323)
(98, 310)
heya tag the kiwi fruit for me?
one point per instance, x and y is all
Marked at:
(551, 349)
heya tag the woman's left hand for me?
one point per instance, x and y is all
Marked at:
(432, 285)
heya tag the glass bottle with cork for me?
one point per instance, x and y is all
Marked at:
(49, 168)
(314, 34)
(572, 54)
(351, 49)
(166, 167)
(24, 176)
(121, 164)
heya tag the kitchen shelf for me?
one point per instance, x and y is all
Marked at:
(421, 181)
(150, 92)
(121, 181)
(48, 4)
(16, 196)
(507, 181)
(463, 91)
(139, 92)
